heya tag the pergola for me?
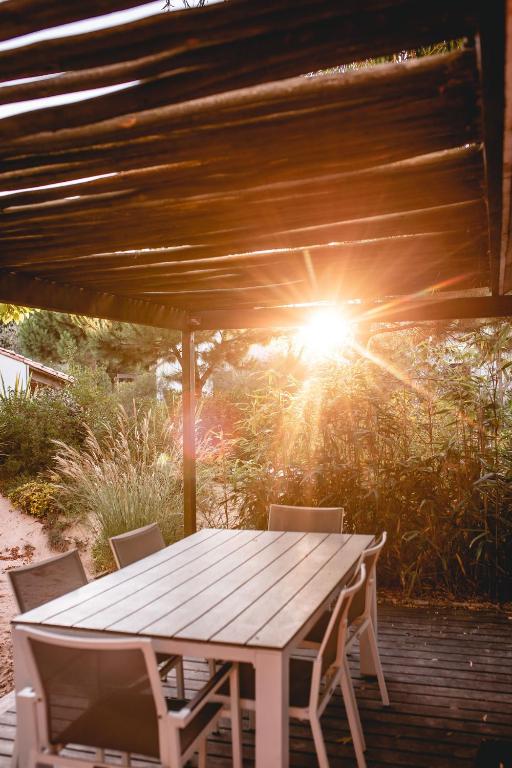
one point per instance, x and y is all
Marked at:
(219, 187)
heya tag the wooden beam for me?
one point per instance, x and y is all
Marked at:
(22, 17)
(434, 247)
(397, 310)
(219, 47)
(188, 363)
(491, 55)
(160, 217)
(64, 297)
(467, 218)
(505, 267)
(355, 119)
(420, 86)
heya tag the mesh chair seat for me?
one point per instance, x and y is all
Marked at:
(134, 715)
(106, 694)
(38, 583)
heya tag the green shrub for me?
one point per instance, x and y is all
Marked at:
(36, 498)
(29, 425)
(130, 479)
(96, 398)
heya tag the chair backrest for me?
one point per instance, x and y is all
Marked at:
(362, 602)
(97, 693)
(134, 545)
(38, 583)
(283, 517)
(332, 648)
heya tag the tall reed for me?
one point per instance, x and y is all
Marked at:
(132, 478)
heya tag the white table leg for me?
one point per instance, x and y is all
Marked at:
(365, 656)
(272, 695)
(26, 726)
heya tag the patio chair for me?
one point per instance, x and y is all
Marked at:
(38, 583)
(360, 619)
(283, 517)
(315, 677)
(107, 694)
(129, 547)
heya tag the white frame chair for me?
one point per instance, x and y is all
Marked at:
(361, 621)
(149, 538)
(361, 616)
(324, 680)
(72, 557)
(284, 517)
(32, 706)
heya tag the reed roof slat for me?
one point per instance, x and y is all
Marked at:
(216, 173)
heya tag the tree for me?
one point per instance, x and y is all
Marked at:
(124, 347)
(127, 348)
(55, 338)
(11, 313)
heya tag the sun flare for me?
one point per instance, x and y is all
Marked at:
(327, 334)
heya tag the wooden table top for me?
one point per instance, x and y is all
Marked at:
(236, 587)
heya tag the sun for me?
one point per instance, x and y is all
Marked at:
(327, 334)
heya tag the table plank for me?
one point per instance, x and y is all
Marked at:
(143, 589)
(234, 573)
(224, 592)
(94, 588)
(282, 627)
(233, 555)
(250, 621)
(208, 625)
(144, 582)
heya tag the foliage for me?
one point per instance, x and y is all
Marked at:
(426, 456)
(70, 340)
(36, 498)
(29, 423)
(137, 395)
(129, 480)
(9, 333)
(95, 397)
(12, 313)
(53, 338)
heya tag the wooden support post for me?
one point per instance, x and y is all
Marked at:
(189, 431)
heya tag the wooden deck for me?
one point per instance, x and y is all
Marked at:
(449, 675)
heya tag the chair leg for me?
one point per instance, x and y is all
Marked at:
(318, 738)
(180, 680)
(201, 763)
(236, 718)
(354, 721)
(374, 650)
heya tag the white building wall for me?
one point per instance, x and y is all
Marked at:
(11, 371)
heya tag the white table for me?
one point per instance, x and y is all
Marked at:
(232, 595)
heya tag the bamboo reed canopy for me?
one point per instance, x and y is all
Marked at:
(220, 186)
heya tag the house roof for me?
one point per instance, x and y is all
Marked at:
(225, 188)
(37, 367)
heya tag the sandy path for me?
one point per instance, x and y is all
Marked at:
(22, 540)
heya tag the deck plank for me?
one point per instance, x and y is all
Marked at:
(440, 712)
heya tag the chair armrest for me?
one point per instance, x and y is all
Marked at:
(190, 710)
